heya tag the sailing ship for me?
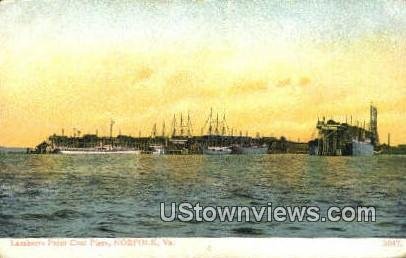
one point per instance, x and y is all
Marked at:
(216, 145)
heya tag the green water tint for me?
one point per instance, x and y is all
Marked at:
(120, 195)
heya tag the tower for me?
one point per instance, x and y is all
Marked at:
(373, 125)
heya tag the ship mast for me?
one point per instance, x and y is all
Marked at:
(154, 131)
(211, 122)
(174, 126)
(224, 126)
(216, 131)
(163, 129)
(181, 124)
(189, 125)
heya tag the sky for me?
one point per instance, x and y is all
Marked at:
(271, 67)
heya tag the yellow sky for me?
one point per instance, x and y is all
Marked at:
(275, 86)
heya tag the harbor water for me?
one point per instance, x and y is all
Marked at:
(120, 195)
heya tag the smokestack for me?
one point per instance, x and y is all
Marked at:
(111, 128)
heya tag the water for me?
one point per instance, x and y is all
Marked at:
(119, 195)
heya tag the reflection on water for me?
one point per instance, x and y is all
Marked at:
(119, 195)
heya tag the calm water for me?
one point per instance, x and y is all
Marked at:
(119, 195)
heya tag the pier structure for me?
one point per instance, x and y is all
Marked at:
(172, 145)
(335, 138)
(179, 140)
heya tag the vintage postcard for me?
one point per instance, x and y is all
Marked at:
(149, 128)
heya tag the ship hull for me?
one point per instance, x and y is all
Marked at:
(217, 151)
(255, 150)
(354, 148)
(95, 152)
(361, 149)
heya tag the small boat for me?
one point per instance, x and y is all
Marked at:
(217, 150)
(157, 149)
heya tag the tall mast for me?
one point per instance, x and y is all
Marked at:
(163, 129)
(211, 121)
(189, 125)
(224, 126)
(181, 124)
(174, 126)
(217, 125)
(154, 131)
